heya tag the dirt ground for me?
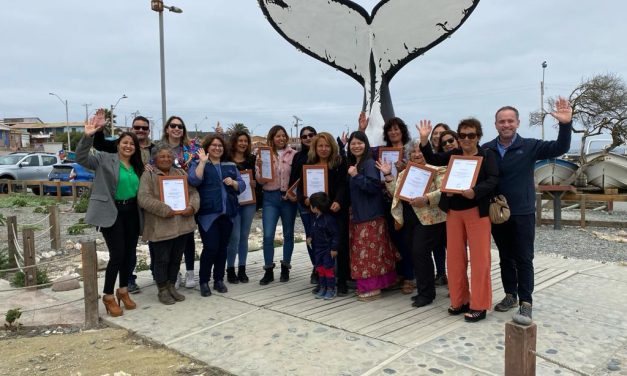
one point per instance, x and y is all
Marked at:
(105, 351)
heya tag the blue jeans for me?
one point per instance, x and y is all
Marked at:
(238, 244)
(214, 242)
(307, 219)
(274, 207)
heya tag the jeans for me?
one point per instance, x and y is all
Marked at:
(307, 218)
(274, 207)
(189, 251)
(214, 243)
(514, 239)
(238, 244)
(439, 254)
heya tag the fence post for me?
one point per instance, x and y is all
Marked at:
(30, 271)
(519, 340)
(55, 227)
(90, 283)
(12, 239)
(582, 210)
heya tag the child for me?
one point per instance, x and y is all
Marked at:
(324, 242)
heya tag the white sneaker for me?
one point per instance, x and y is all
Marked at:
(189, 279)
(179, 278)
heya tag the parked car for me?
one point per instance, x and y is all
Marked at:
(26, 166)
(72, 172)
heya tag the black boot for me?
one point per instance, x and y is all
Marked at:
(285, 272)
(231, 277)
(268, 275)
(241, 274)
(313, 279)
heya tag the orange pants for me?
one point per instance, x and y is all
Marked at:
(466, 227)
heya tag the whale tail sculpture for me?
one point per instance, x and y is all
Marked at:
(371, 48)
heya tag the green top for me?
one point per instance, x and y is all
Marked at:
(128, 183)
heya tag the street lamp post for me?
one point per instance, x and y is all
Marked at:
(67, 121)
(297, 120)
(158, 6)
(113, 106)
(544, 65)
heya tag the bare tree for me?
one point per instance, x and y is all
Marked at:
(599, 107)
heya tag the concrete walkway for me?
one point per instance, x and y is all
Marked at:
(280, 329)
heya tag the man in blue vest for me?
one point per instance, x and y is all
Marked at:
(514, 239)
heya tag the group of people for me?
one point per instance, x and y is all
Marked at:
(358, 230)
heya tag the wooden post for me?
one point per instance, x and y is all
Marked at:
(519, 340)
(58, 191)
(582, 208)
(55, 227)
(12, 239)
(28, 237)
(90, 283)
(538, 209)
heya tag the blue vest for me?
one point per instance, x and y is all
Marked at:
(210, 190)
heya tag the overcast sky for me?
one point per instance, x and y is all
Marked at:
(224, 62)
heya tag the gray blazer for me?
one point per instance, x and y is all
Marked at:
(102, 211)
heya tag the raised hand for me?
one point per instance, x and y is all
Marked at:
(202, 155)
(363, 121)
(95, 123)
(424, 130)
(563, 111)
(218, 128)
(344, 137)
(335, 207)
(352, 171)
(385, 167)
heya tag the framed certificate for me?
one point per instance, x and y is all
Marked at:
(173, 192)
(390, 155)
(415, 182)
(267, 164)
(461, 174)
(315, 179)
(291, 191)
(248, 196)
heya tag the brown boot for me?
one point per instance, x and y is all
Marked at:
(175, 294)
(112, 307)
(164, 295)
(123, 296)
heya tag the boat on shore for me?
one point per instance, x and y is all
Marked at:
(553, 171)
(606, 169)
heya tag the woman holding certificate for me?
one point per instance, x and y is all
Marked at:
(218, 183)
(466, 202)
(372, 256)
(113, 205)
(325, 152)
(274, 165)
(169, 218)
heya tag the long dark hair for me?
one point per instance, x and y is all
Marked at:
(164, 136)
(352, 160)
(233, 144)
(272, 132)
(136, 158)
(303, 129)
(405, 138)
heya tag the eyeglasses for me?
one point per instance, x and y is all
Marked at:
(450, 141)
(219, 146)
(471, 136)
(308, 135)
(179, 126)
(140, 128)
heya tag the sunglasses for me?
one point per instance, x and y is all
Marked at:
(308, 135)
(140, 128)
(471, 136)
(179, 126)
(450, 141)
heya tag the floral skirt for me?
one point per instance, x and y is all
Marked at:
(372, 255)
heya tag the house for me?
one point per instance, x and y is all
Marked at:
(5, 132)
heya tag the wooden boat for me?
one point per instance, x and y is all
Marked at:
(553, 171)
(607, 171)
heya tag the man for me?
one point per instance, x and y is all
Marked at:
(141, 128)
(514, 239)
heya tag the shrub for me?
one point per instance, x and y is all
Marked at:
(19, 202)
(82, 203)
(141, 265)
(41, 210)
(19, 278)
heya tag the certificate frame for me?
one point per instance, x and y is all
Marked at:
(325, 170)
(162, 179)
(265, 149)
(250, 175)
(407, 170)
(451, 168)
(291, 191)
(388, 149)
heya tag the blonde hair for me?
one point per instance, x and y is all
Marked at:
(334, 158)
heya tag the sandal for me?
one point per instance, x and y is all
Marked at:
(459, 310)
(474, 316)
(408, 287)
(369, 296)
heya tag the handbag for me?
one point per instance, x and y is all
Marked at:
(499, 210)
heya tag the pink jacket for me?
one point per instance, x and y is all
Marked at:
(282, 170)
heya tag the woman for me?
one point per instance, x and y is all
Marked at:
(448, 141)
(218, 183)
(175, 134)
(277, 204)
(240, 154)
(324, 151)
(423, 222)
(165, 229)
(113, 206)
(435, 135)
(372, 256)
(467, 223)
(307, 134)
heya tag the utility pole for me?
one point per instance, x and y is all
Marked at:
(86, 110)
(544, 65)
(297, 120)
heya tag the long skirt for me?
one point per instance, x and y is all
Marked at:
(372, 255)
